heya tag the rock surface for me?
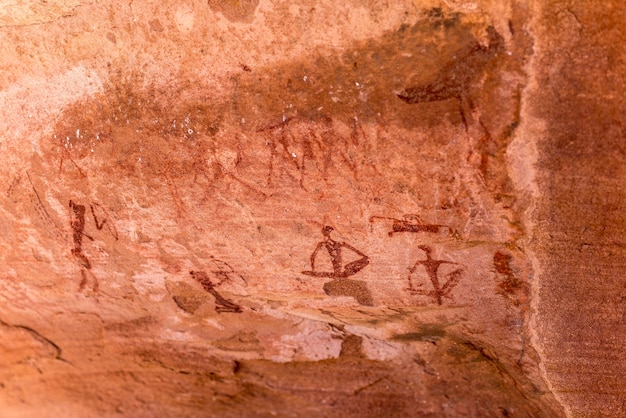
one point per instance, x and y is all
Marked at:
(260, 208)
(579, 218)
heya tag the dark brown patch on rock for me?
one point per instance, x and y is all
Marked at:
(508, 284)
(454, 81)
(235, 10)
(165, 135)
(351, 346)
(241, 341)
(186, 297)
(349, 84)
(189, 304)
(357, 386)
(348, 287)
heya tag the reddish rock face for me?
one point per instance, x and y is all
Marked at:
(245, 208)
(580, 218)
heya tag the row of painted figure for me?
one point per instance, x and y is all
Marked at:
(410, 223)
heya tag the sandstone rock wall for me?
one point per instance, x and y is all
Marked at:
(260, 208)
(579, 218)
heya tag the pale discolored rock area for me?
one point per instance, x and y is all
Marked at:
(259, 208)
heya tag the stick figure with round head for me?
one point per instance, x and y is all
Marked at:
(432, 266)
(334, 249)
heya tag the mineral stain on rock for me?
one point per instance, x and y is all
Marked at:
(186, 297)
(347, 287)
(349, 83)
(456, 78)
(235, 10)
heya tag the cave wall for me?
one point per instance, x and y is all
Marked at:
(259, 208)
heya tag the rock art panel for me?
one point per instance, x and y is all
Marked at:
(178, 205)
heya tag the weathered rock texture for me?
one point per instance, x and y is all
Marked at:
(309, 208)
(580, 218)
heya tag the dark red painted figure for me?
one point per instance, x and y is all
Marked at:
(334, 249)
(432, 266)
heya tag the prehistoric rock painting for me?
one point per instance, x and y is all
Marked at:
(77, 223)
(341, 286)
(413, 223)
(455, 81)
(279, 134)
(225, 138)
(302, 149)
(508, 285)
(432, 266)
(224, 272)
(221, 304)
(98, 211)
(334, 249)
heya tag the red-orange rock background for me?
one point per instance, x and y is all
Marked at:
(168, 169)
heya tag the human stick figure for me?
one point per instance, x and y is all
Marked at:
(221, 303)
(334, 249)
(432, 266)
(77, 223)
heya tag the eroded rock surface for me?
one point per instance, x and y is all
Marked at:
(258, 208)
(580, 218)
